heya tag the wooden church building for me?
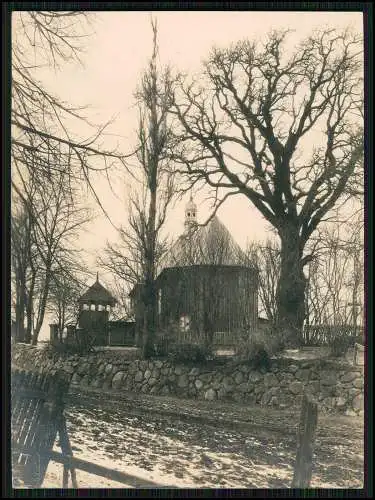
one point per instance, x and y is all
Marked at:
(205, 285)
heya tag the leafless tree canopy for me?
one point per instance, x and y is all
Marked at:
(247, 125)
(335, 294)
(142, 245)
(43, 124)
(46, 218)
(266, 258)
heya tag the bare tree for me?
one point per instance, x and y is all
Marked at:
(266, 258)
(21, 248)
(245, 124)
(54, 217)
(67, 286)
(148, 205)
(336, 277)
(42, 123)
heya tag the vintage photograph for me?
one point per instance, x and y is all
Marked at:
(187, 249)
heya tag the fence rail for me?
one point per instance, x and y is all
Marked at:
(324, 334)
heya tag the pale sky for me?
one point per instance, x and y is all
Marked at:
(115, 56)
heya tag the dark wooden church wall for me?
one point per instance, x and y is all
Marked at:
(222, 298)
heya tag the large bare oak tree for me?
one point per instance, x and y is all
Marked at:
(284, 129)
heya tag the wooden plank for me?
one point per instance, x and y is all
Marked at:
(67, 450)
(98, 470)
(303, 464)
(37, 403)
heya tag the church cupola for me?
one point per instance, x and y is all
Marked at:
(190, 213)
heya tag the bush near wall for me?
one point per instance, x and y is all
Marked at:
(338, 387)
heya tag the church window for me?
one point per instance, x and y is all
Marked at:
(185, 323)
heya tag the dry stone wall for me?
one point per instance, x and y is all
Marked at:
(338, 387)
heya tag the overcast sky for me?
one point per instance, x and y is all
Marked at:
(115, 56)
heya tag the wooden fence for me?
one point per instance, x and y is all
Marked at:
(324, 334)
(37, 416)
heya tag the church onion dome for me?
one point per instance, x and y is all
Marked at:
(190, 205)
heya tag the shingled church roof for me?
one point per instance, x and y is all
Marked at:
(210, 244)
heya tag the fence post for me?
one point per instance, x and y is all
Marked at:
(304, 456)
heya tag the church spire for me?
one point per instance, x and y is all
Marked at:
(190, 213)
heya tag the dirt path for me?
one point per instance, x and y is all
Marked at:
(197, 444)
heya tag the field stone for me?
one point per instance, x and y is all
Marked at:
(194, 371)
(358, 383)
(76, 379)
(179, 370)
(349, 377)
(97, 383)
(85, 380)
(68, 369)
(245, 387)
(358, 402)
(340, 402)
(255, 377)
(183, 380)
(117, 380)
(147, 374)
(143, 365)
(302, 375)
(296, 387)
(227, 383)
(353, 392)
(152, 381)
(138, 376)
(210, 395)
(108, 368)
(82, 369)
(244, 368)
(238, 378)
(221, 393)
(313, 386)
(270, 380)
(292, 368)
(165, 390)
(206, 377)
(328, 378)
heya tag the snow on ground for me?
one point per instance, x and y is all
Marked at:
(178, 453)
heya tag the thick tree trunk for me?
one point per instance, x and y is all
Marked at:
(29, 309)
(20, 311)
(149, 292)
(149, 300)
(291, 289)
(42, 306)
